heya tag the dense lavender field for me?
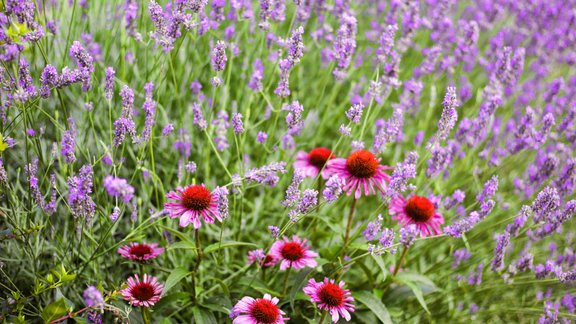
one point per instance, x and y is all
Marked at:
(306, 161)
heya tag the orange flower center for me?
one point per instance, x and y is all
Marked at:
(362, 164)
(292, 251)
(264, 311)
(331, 295)
(419, 209)
(196, 198)
(319, 156)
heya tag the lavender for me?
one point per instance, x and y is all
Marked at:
(219, 58)
(385, 43)
(69, 143)
(27, 87)
(295, 52)
(84, 62)
(130, 16)
(449, 114)
(115, 214)
(221, 197)
(306, 203)
(118, 187)
(222, 125)
(198, 116)
(373, 229)
(345, 44)
(93, 297)
(294, 117)
(125, 125)
(503, 240)
(490, 188)
(546, 204)
(109, 84)
(293, 192)
(261, 137)
(274, 231)
(408, 235)
(49, 80)
(402, 173)
(460, 256)
(79, 190)
(267, 174)
(149, 108)
(237, 123)
(257, 76)
(354, 114)
(334, 188)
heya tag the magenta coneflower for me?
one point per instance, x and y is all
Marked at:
(191, 203)
(313, 162)
(331, 297)
(361, 171)
(140, 251)
(143, 293)
(258, 311)
(262, 259)
(295, 254)
(419, 211)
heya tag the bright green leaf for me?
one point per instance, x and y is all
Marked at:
(175, 276)
(374, 304)
(223, 245)
(55, 310)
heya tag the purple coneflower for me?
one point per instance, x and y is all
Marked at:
(191, 203)
(145, 292)
(361, 170)
(331, 297)
(419, 211)
(140, 251)
(258, 311)
(262, 259)
(294, 254)
(313, 162)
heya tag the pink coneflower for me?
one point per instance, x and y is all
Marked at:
(313, 162)
(419, 211)
(143, 293)
(262, 259)
(361, 171)
(191, 203)
(258, 311)
(331, 297)
(295, 254)
(140, 251)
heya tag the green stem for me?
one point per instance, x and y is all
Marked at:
(146, 315)
(349, 226)
(322, 317)
(400, 261)
(286, 276)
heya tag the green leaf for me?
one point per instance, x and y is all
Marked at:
(417, 278)
(381, 264)
(55, 310)
(186, 245)
(418, 293)
(223, 245)
(175, 276)
(298, 284)
(202, 316)
(374, 304)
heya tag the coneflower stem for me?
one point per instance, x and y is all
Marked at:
(349, 226)
(400, 261)
(145, 315)
(198, 249)
(286, 276)
(323, 316)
